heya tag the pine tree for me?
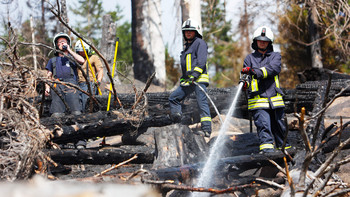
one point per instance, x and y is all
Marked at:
(91, 12)
(224, 53)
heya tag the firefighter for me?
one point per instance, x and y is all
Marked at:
(194, 69)
(96, 65)
(264, 92)
(60, 68)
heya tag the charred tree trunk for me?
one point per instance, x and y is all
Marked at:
(148, 49)
(102, 156)
(176, 145)
(316, 53)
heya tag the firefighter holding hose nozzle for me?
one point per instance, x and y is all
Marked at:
(265, 100)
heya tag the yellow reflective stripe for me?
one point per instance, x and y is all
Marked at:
(285, 148)
(265, 146)
(264, 72)
(277, 81)
(205, 119)
(258, 102)
(198, 69)
(255, 85)
(277, 100)
(188, 62)
(203, 78)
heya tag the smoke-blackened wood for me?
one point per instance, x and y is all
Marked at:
(319, 74)
(236, 163)
(176, 145)
(73, 128)
(110, 155)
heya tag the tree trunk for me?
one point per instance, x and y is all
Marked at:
(61, 27)
(176, 145)
(108, 43)
(191, 9)
(102, 156)
(147, 44)
(316, 53)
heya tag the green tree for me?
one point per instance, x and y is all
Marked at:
(172, 70)
(91, 12)
(124, 47)
(224, 53)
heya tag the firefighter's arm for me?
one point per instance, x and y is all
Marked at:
(76, 56)
(202, 54)
(272, 68)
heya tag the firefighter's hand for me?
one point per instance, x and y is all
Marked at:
(249, 71)
(191, 79)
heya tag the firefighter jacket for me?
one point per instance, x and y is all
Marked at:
(264, 88)
(194, 61)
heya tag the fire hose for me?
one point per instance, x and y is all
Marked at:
(211, 101)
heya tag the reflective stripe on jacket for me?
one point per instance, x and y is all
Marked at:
(194, 61)
(264, 89)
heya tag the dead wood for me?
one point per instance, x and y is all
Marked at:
(236, 163)
(21, 135)
(73, 128)
(176, 145)
(108, 155)
(116, 166)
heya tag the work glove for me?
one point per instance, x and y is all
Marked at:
(248, 71)
(191, 79)
(184, 82)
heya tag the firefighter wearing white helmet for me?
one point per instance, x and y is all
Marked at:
(195, 76)
(265, 100)
(62, 68)
(263, 33)
(192, 25)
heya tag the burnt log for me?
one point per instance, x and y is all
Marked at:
(176, 145)
(107, 155)
(74, 128)
(237, 163)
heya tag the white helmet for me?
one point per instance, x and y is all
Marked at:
(78, 47)
(263, 33)
(60, 35)
(192, 25)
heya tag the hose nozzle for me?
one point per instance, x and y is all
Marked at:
(243, 78)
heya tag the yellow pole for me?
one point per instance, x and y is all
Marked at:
(92, 70)
(114, 61)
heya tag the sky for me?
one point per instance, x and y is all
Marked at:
(172, 36)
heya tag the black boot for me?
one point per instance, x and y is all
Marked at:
(176, 117)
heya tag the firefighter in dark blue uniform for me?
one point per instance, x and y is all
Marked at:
(62, 69)
(264, 94)
(194, 69)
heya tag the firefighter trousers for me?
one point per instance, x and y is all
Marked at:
(69, 95)
(270, 127)
(181, 93)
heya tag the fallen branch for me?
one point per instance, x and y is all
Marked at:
(271, 183)
(116, 166)
(167, 186)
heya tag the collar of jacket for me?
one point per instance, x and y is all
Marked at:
(268, 53)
